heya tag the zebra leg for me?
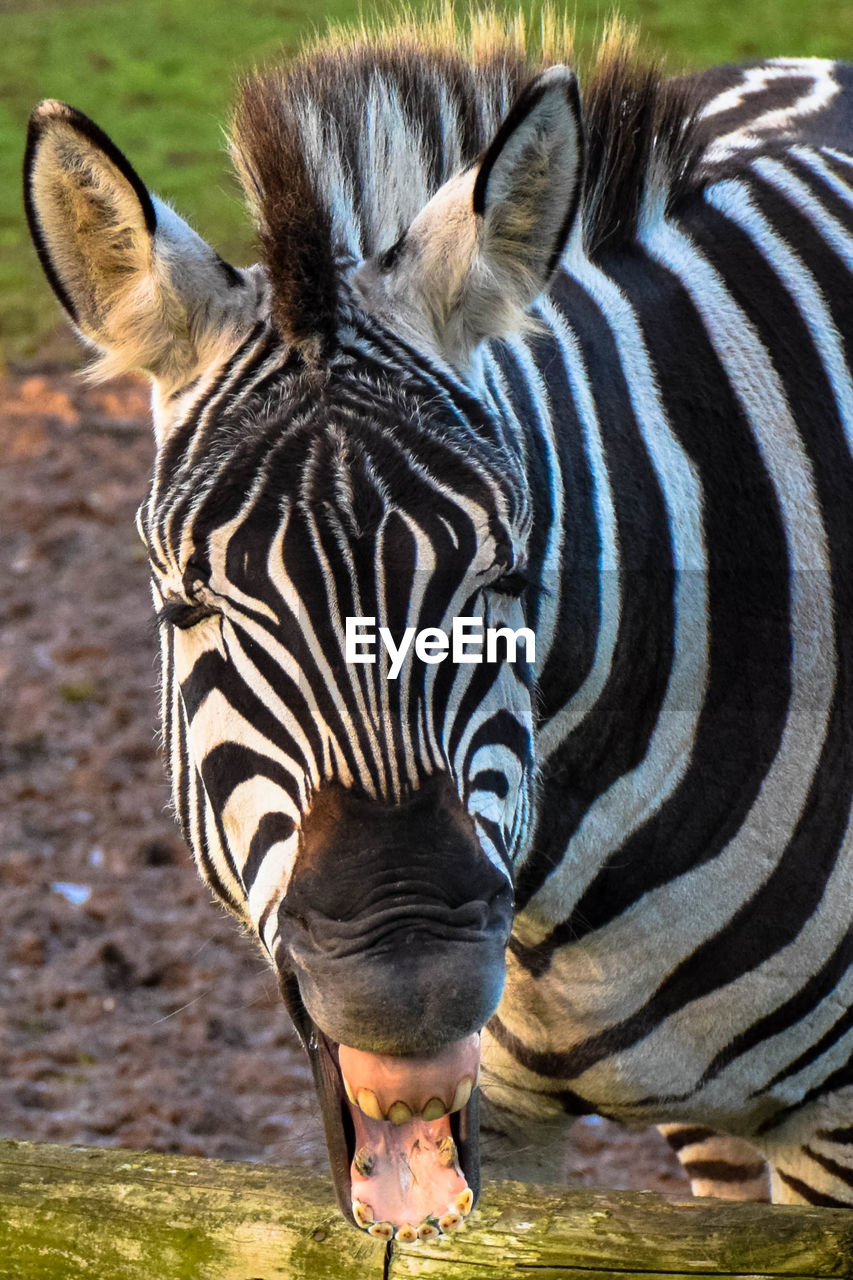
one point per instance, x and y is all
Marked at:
(818, 1171)
(718, 1164)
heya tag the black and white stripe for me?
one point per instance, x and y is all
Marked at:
(690, 873)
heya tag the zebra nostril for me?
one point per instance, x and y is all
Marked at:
(296, 918)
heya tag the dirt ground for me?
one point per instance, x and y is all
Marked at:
(132, 1011)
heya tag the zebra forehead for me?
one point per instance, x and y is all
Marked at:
(339, 149)
(345, 458)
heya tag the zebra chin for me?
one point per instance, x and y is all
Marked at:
(393, 937)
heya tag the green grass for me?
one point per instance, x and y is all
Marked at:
(158, 75)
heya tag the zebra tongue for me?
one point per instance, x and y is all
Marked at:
(406, 1178)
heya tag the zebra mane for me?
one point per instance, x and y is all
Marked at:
(340, 149)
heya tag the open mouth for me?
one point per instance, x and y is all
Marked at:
(402, 1133)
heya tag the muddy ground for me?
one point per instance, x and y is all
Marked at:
(132, 1010)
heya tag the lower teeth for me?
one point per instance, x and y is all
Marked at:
(430, 1228)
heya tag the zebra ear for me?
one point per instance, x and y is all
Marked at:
(488, 242)
(133, 277)
(527, 188)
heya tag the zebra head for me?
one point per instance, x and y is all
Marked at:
(326, 450)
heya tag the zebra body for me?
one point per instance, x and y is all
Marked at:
(595, 382)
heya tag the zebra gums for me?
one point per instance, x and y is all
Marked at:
(579, 367)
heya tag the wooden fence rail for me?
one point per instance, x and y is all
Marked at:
(74, 1213)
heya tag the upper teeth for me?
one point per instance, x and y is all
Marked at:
(434, 1110)
(369, 1104)
(400, 1112)
(400, 1088)
(462, 1094)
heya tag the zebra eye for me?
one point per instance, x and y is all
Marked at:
(183, 614)
(511, 584)
(388, 260)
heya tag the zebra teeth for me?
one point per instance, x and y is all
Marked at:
(462, 1094)
(368, 1102)
(448, 1156)
(364, 1162)
(464, 1202)
(428, 1230)
(382, 1230)
(407, 1234)
(349, 1091)
(450, 1221)
(434, 1110)
(399, 1113)
(363, 1213)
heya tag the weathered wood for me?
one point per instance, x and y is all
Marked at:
(82, 1214)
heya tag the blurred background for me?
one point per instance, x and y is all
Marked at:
(159, 76)
(132, 1011)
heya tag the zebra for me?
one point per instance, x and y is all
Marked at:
(576, 365)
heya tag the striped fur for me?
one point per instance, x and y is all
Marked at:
(655, 474)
